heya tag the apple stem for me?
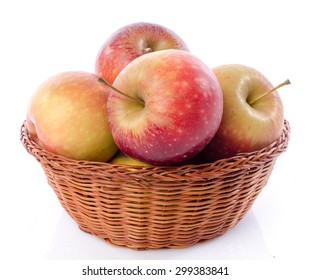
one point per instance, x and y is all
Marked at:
(287, 82)
(102, 80)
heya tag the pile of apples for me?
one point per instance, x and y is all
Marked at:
(151, 102)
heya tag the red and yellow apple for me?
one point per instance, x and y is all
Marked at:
(130, 42)
(67, 115)
(174, 111)
(253, 113)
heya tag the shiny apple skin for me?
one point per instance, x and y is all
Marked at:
(182, 108)
(244, 127)
(130, 42)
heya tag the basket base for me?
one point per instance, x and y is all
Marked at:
(144, 244)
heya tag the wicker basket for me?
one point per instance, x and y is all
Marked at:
(158, 207)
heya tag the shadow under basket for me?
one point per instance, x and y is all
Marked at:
(158, 207)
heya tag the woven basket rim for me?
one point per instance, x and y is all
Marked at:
(274, 149)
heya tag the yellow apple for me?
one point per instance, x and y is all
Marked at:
(67, 115)
(253, 114)
(121, 158)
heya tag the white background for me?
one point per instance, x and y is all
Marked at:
(42, 38)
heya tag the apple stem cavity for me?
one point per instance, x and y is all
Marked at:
(287, 82)
(102, 80)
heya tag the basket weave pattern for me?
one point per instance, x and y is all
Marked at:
(158, 207)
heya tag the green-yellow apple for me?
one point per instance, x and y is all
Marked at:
(175, 107)
(67, 115)
(130, 42)
(121, 158)
(253, 113)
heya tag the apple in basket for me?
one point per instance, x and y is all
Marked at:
(123, 159)
(253, 113)
(130, 42)
(67, 115)
(167, 105)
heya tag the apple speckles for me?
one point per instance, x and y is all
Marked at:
(213, 88)
(178, 66)
(195, 67)
(201, 81)
(188, 106)
(184, 84)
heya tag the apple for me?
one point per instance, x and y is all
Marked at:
(123, 159)
(67, 115)
(130, 42)
(171, 107)
(253, 113)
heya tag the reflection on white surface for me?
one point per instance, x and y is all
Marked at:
(244, 241)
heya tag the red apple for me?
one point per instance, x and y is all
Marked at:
(174, 110)
(253, 113)
(130, 42)
(68, 116)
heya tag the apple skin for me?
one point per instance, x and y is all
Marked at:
(123, 159)
(67, 115)
(181, 111)
(244, 127)
(130, 42)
